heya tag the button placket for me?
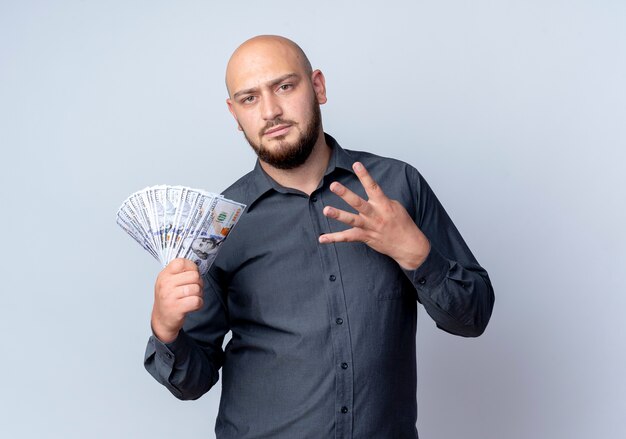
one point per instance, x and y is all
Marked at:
(340, 333)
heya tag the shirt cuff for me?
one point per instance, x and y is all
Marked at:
(431, 273)
(169, 353)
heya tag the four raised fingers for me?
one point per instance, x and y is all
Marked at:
(363, 207)
(367, 212)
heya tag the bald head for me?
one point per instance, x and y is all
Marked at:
(275, 98)
(261, 50)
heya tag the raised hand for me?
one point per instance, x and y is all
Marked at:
(381, 223)
(177, 292)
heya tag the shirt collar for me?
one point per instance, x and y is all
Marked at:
(340, 158)
(261, 183)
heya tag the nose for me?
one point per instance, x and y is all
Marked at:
(271, 107)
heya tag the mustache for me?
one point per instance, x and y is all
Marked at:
(278, 121)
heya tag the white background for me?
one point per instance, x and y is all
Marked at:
(515, 112)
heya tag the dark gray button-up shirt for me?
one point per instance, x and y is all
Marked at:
(323, 335)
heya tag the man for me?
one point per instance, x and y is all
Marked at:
(319, 280)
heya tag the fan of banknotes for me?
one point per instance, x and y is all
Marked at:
(179, 222)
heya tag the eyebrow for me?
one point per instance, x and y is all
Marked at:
(271, 83)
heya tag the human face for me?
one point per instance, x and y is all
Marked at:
(204, 244)
(287, 155)
(275, 102)
(203, 247)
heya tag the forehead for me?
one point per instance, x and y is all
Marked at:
(260, 63)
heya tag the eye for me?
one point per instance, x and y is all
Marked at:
(285, 87)
(248, 99)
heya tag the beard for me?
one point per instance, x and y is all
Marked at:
(289, 155)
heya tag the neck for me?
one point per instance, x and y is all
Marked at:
(307, 176)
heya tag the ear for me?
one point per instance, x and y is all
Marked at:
(319, 86)
(230, 108)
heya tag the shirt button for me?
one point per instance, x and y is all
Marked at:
(168, 355)
(332, 278)
(344, 409)
(314, 198)
(339, 321)
(421, 280)
(344, 365)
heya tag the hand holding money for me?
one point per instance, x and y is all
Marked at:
(177, 292)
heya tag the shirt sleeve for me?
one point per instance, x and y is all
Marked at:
(454, 289)
(189, 366)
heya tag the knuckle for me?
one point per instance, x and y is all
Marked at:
(197, 302)
(176, 265)
(165, 283)
(160, 290)
(195, 277)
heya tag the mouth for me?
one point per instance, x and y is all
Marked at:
(276, 131)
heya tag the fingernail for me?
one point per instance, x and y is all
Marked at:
(337, 188)
(358, 166)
